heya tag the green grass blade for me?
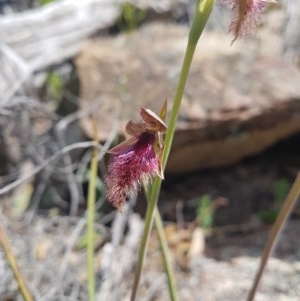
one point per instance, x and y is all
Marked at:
(91, 221)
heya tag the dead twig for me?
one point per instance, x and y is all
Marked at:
(118, 261)
(71, 147)
(14, 72)
(76, 193)
(69, 246)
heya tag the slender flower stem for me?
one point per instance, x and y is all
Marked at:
(91, 220)
(277, 228)
(166, 256)
(90, 227)
(164, 250)
(202, 13)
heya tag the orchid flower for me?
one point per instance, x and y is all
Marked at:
(137, 159)
(246, 15)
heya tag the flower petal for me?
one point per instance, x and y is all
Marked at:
(246, 14)
(123, 147)
(129, 166)
(135, 128)
(153, 122)
(163, 111)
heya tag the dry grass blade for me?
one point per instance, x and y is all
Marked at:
(14, 265)
(277, 228)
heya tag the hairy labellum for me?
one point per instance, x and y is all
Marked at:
(135, 160)
(245, 16)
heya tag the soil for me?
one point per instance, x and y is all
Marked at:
(54, 266)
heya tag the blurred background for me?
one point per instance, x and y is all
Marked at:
(65, 64)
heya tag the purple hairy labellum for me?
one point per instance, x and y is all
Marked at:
(137, 159)
(246, 15)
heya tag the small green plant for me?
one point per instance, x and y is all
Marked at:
(205, 212)
(44, 2)
(54, 85)
(281, 189)
(131, 17)
(268, 216)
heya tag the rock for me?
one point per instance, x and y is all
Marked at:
(238, 100)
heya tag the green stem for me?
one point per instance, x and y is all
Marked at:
(277, 228)
(164, 250)
(90, 225)
(202, 13)
(166, 256)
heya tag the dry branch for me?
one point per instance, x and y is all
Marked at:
(55, 32)
(33, 40)
(36, 39)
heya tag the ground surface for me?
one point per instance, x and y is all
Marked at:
(54, 264)
(55, 269)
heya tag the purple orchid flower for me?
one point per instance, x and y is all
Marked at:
(246, 15)
(137, 159)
